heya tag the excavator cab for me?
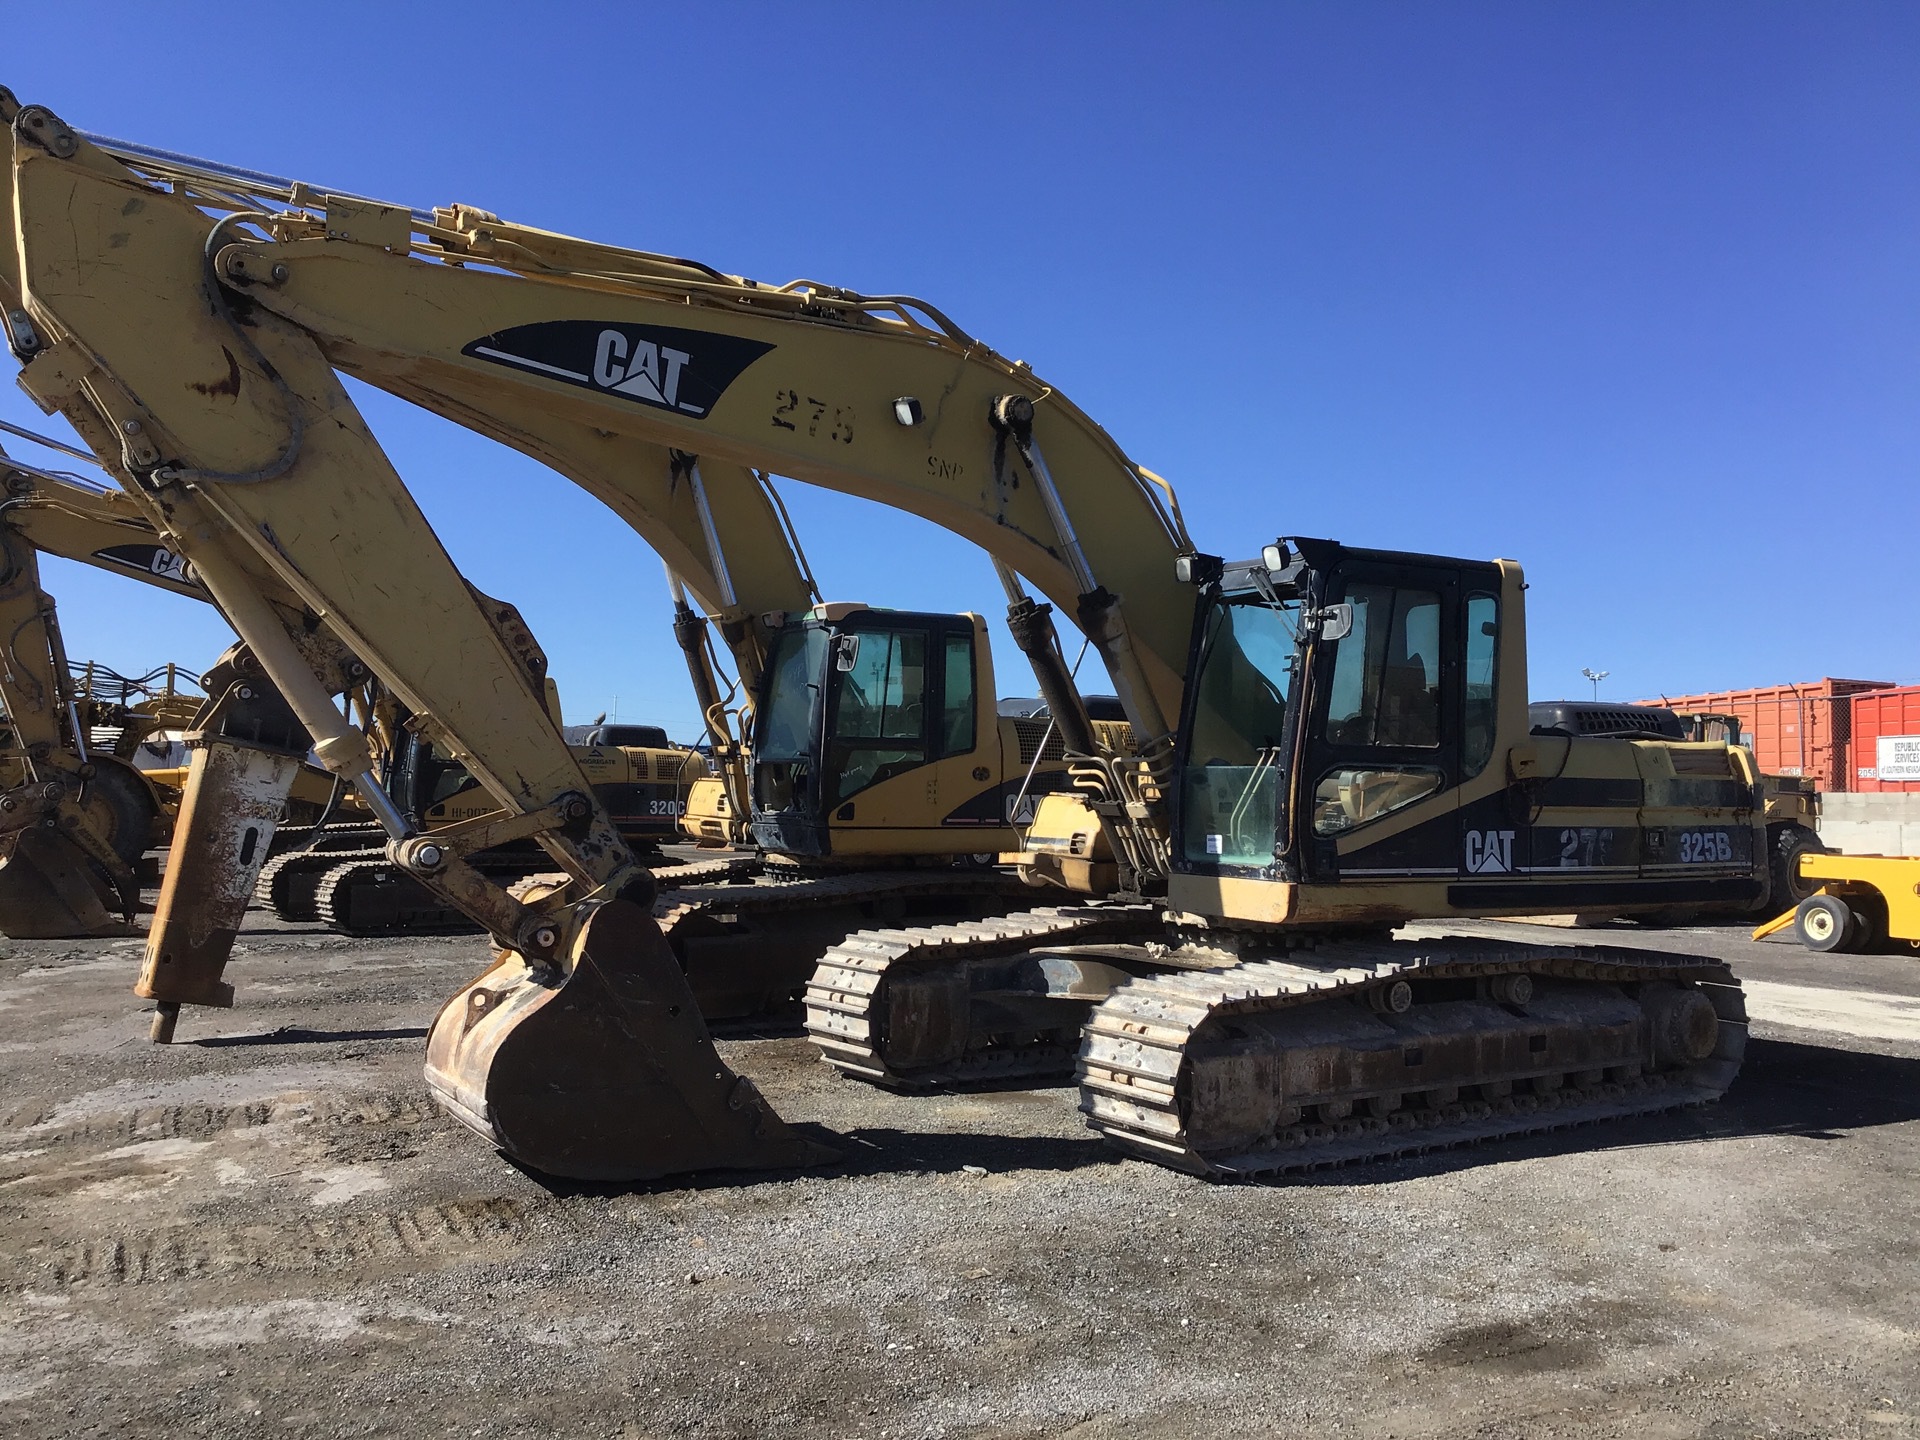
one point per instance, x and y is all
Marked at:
(1330, 700)
(876, 733)
(1357, 729)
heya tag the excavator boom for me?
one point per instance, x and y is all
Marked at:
(607, 362)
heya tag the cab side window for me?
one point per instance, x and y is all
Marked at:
(1482, 702)
(956, 708)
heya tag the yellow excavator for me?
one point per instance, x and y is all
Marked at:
(887, 853)
(1329, 741)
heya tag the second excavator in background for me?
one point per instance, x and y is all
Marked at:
(77, 812)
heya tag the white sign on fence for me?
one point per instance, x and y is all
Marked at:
(1899, 757)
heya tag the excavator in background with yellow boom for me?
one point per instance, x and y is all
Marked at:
(74, 821)
(864, 771)
(54, 513)
(1351, 752)
(77, 812)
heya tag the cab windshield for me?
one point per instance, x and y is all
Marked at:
(1230, 784)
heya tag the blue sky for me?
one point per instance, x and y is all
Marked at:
(1627, 292)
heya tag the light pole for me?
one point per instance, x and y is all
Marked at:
(1596, 676)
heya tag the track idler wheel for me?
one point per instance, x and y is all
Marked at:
(603, 1070)
(1683, 1025)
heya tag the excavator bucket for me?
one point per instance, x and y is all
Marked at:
(50, 890)
(607, 1072)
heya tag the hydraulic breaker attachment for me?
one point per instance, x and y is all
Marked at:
(236, 793)
(602, 1069)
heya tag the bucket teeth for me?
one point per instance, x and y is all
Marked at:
(605, 1072)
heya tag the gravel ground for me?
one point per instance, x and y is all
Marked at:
(269, 1229)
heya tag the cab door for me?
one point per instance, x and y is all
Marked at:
(1382, 757)
(904, 770)
(878, 720)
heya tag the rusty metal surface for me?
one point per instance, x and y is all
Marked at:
(235, 796)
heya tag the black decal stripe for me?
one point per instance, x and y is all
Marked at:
(1624, 892)
(1588, 794)
(570, 350)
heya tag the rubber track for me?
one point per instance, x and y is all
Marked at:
(845, 998)
(1134, 1045)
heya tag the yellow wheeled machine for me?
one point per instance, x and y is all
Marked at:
(1862, 903)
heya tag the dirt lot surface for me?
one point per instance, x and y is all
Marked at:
(268, 1229)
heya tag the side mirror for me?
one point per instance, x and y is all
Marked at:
(1336, 621)
(846, 650)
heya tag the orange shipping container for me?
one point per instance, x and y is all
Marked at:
(1793, 729)
(1886, 740)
